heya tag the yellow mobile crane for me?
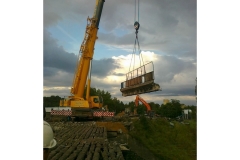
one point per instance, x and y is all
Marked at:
(80, 106)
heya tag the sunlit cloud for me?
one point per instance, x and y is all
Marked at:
(167, 38)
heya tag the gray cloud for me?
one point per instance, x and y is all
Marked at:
(103, 67)
(56, 60)
(56, 92)
(184, 90)
(168, 66)
(75, 10)
(58, 80)
(55, 56)
(112, 39)
(49, 71)
(167, 26)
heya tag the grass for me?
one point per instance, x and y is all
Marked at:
(165, 141)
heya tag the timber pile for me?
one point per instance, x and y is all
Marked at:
(83, 141)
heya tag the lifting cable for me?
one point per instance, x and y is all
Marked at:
(136, 26)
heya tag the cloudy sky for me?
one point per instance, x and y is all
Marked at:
(167, 37)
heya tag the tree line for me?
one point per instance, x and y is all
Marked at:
(171, 109)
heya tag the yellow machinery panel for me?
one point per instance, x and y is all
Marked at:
(81, 104)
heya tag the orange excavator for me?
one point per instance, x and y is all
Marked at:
(149, 111)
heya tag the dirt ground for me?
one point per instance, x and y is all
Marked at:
(113, 126)
(136, 150)
(116, 134)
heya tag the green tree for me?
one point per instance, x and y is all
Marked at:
(114, 103)
(141, 109)
(171, 110)
(155, 107)
(130, 105)
(52, 101)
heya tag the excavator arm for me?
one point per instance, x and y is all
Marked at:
(149, 111)
(138, 98)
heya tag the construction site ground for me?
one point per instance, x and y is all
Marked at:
(103, 139)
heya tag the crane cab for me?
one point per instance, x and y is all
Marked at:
(95, 102)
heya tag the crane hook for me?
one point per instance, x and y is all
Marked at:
(136, 25)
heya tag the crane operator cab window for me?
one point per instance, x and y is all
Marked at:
(101, 99)
(95, 100)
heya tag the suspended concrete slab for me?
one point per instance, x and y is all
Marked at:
(139, 81)
(146, 87)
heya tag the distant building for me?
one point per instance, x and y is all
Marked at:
(183, 106)
(187, 113)
(127, 110)
(165, 101)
